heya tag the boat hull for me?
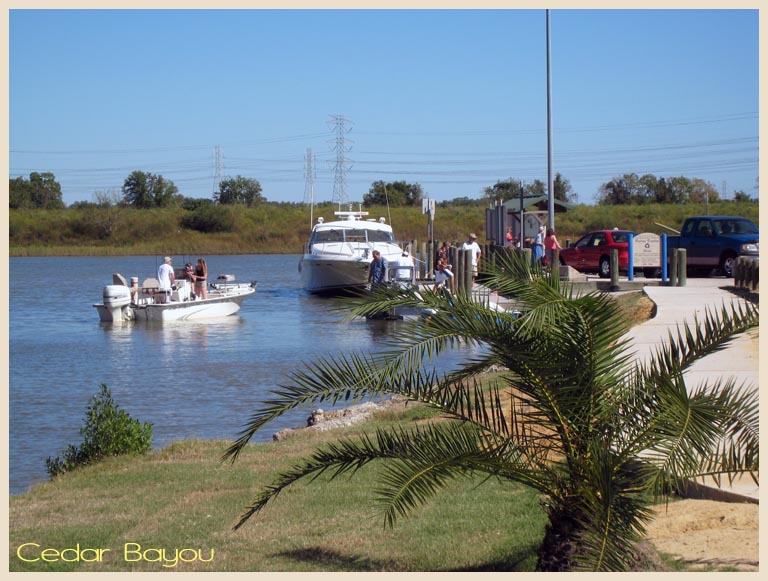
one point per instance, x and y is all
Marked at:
(225, 304)
(323, 274)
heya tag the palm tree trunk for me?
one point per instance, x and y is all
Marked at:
(559, 549)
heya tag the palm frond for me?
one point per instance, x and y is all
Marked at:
(703, 337)
(348, 377)
(420, 462)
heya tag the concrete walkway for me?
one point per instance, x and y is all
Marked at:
(740, 360)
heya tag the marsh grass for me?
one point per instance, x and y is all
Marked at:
(283, 228)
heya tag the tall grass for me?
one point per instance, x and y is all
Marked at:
(283, 228)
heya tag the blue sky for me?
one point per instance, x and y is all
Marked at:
(452, 99)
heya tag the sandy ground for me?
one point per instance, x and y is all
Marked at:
(708, 534)
(703, 534)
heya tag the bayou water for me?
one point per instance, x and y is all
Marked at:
(189, 379)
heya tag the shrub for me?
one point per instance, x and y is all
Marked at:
(108, 431)
(209, 219)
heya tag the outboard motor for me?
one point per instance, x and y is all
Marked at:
(116, 297)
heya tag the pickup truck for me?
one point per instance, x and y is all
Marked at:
(715, 241)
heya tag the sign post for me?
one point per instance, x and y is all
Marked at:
(428, 207)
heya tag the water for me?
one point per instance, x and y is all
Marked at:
(189, 379)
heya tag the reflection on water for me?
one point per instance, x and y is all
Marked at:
(190, 379)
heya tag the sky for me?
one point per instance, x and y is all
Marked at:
(454, 100)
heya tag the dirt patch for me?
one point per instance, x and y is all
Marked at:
(705, 534)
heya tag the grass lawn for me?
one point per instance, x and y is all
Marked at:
(183, 497)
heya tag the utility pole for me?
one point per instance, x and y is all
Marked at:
(550, 173)
(342, 163)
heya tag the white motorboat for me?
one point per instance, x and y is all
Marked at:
(149, 303)
(338, 255)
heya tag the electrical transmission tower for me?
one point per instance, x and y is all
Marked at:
(217, 169)
(342, 164)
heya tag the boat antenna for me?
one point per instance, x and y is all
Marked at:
(386, 197)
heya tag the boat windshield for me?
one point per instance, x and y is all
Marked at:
(327, 236)
(380, 236)
(352, 235)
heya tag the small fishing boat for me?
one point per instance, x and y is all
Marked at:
(338, 256)
(149, 303)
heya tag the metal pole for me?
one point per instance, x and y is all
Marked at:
(522, 216)
(550, 175)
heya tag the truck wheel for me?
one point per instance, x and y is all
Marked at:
(727, 264)
(605, 267)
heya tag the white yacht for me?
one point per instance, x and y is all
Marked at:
(338, 255)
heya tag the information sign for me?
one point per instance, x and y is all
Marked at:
(647, 250)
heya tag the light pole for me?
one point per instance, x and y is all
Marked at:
(550, 176)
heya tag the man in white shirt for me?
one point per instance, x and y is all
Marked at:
(165, 278)
(472, 245)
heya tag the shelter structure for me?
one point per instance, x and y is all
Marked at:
(521, 216)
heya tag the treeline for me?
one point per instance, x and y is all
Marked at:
(278, 228)
(146, 190)
(650, 189)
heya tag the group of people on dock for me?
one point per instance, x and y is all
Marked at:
(543, 246)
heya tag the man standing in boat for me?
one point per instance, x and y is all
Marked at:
(165, 278)
(378, 272)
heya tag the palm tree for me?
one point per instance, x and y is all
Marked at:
(573, 415)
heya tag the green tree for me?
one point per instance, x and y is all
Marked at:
(239, 190)
(626, 189)
(741, 196)
(504, 190)
(507, 189)
(393, 193)
(597, 434)
(146, 190)
(563, 189)
(41, 191)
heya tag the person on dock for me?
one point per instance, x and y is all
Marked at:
(443, 254)
(377, 275)
(550, 246)
(537, 246)
(443, 276)
(471, 244)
